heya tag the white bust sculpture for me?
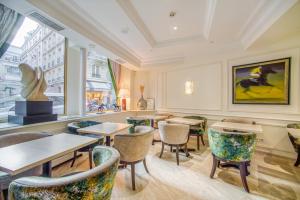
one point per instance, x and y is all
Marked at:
(34, 84)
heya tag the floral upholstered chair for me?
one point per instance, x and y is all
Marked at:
(295, 141)
(12, 139)
(232, 148)
(96, 183)
(73, 127)
(198, 130)
(136, 121)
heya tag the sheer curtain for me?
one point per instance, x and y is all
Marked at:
(115, 73)
(10, 22)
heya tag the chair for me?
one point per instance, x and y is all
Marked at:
(232, 148)
(295, 142)
(173, 135)
(242, 121)
(73, 127)
(198, 130)
(96, 183)
(12, 139)
(135, 121)
(133, 148)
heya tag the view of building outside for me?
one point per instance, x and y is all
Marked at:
(99, 88)
(37, 46)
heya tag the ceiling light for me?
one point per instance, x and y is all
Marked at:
(175, 28)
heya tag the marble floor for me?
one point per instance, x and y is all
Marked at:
(271, 177)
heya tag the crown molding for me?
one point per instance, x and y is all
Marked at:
(262, 18)
(209, 17)
(161, 61)
(65, 12)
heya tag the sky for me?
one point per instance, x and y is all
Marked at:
(27, 26)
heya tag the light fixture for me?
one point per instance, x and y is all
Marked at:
(175, 28)
(189, 87)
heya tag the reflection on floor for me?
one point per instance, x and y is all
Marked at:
(271, 177)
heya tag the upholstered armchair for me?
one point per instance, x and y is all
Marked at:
(12, 139)
(135, 121)
(73, 127)
(134, 147)
(96, 183)
(198, 130)
(173, 135)
(295, 141)
(242, 121)
(233, 148)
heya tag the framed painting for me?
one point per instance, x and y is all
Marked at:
(262, 83)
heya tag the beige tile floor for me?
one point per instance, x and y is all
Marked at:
(271, 177)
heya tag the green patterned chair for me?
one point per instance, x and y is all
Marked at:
(136, 121)
(295, 141)
(96, 183)
(234, 149)
(73, 127)
(198, 130)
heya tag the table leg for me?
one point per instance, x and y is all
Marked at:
(107, 141)
(47, 169)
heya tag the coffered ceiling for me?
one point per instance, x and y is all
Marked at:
(142, 32)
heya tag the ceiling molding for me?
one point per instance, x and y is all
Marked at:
(62, 11)
(209, 17)
(178, 41)
(156, 61)
(133, 15)
(262, 19)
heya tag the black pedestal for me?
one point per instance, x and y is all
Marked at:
(30, 112)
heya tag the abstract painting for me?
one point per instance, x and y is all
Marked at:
(262, 83)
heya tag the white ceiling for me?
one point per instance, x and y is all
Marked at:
(141, 31)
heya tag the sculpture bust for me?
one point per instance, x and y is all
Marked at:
(34, 84)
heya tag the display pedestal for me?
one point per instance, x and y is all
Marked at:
(30, 112)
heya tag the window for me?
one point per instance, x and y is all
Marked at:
(99, 88)
(21, 51)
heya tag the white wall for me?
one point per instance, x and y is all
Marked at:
(213, 88)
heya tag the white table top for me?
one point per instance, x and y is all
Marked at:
(153, 117)
(295, 132)
(238, 126)
(181, 120)
(105, 129)
(18, 158)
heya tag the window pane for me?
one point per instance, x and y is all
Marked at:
(38, 46)
(99, 88)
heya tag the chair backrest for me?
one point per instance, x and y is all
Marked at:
(73, 126)
(173, 133)
(243, 121)
(291, 137)
(231, 146)
(16, 138)
(134, 147)
(96, 183)
(136, 121)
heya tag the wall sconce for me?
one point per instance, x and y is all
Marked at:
(189, 87)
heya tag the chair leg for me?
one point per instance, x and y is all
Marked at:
(4, 194)
(145, 165)
(243, 172)
(186, 150)
(91, 158)
(162, 149)
(202, 140)
(74, 158)
(171, 148)
(177, 154)
(214, 166)
(198, 142)
(133, 175)
(298, 158)
(1, 195)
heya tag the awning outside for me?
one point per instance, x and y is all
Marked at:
(94, 86)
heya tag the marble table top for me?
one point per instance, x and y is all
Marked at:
(105, 129)
(253, 128)
(181, 120)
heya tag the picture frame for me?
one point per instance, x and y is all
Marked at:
(266, 82)
(150, 104)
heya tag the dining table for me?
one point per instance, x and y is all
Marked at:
(153, 118)
(186, 121)
(107, 129)
(21, 157)
(233, 126)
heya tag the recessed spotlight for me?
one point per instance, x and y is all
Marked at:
(125, 30)
(172, 14)
(175, 28)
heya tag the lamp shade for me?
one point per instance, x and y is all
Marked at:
(123, 93)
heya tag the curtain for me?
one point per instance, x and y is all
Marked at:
(115, 73)
(10, 22)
